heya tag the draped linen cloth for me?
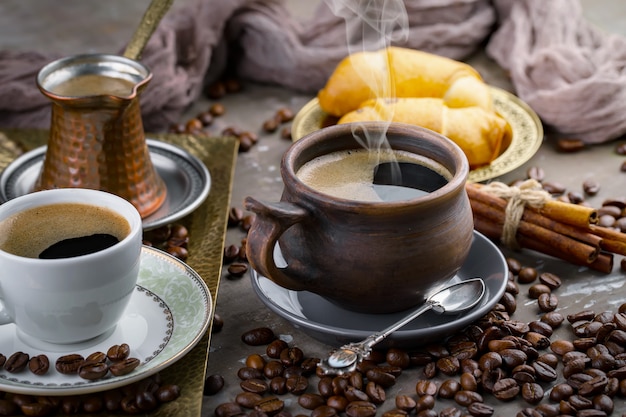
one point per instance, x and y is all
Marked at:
(569, 72)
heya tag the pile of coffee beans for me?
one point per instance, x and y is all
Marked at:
(496, 359)
(140, 397)
(171, 238)
(203, 122)
(97, 365)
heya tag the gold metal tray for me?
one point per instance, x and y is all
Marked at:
(207, 229)
(525, 124)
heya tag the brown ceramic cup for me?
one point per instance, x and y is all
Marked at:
(371, 257)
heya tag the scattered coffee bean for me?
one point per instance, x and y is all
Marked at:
(259, 336)
(570, 145)
(92, 370)
(39, 364)
(124, 367)
(69, 364)
(118, 352)
(213, 384)
(16, 362)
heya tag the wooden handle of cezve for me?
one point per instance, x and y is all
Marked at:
(151, 18)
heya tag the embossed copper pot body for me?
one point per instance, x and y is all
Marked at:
(374, 257)
(98, 141)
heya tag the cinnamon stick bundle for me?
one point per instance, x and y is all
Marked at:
(562, 230)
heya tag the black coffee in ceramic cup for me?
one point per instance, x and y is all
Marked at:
(373, 175)
(62, 230)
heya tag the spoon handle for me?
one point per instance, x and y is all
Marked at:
(377, 337)
(151, 18)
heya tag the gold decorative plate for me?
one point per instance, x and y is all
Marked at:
(525, 125)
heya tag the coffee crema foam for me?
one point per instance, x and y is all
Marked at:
(29, 232)
(349, 174)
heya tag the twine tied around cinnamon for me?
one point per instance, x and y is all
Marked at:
(527, 193)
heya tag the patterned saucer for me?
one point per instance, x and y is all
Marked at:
(168, 314)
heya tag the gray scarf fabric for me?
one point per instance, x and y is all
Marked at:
(554, 57)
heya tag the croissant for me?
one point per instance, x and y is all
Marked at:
(412, 73)
(480, 134)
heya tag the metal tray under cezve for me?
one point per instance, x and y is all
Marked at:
(186, 178)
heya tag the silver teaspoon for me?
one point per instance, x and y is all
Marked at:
(452, 299)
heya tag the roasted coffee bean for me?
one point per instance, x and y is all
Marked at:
(591, 187)
(69, 364)
(278, 385)
(465, 397)
(255, 361)
(167, 392)
(338, 402)
(544, 372)
(291, 356)
(354, 394)
(398, 357)
(237, 269)
(375, 392)
(16, 362)
(490, 361)
(535, 173)
(324, 411)
(275, 347)
(249, 373)
(505, 389)
(537, 340)
(273, 368)
(561, 347)
(450, 412)
(325, 386)
(537, 289)
(549, 359)
(509, 302)
(468, 382)
(257, 386)
(124, 367)
(92, 370)
(311, 401)
(380, 377)
(297, 384)
(97, 357)
(213, 384)
(217, 323)
(405, 403)
(527, 275)
(39, 364)
(543, 328)
(361, 409)
(553, 318)
(423, 403)
(585, 315)
(532, 392)
(223, 410)
(478, 409)
(512, 357)
(259, 336)
(604, 403)
(448, 365)
(554, 188)
(547, 302)
(248, 399)
(118, 352)
(36, 409)
(270, 405)
(395, 413)
(449, 388)
(425, 387)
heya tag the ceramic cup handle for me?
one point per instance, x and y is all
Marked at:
(271, 222)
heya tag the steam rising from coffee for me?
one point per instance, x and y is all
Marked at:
(372, 25)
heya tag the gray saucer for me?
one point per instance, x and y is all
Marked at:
(336, 326)
(187, 180)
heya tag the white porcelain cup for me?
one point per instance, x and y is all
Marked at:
(73, 299)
